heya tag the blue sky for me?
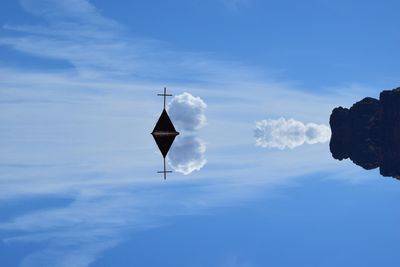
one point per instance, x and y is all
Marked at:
(78, 84)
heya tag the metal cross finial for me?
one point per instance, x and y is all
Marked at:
(165, 94)
(165, 171)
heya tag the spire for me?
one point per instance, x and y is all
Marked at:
(164, 133)
(164, 95)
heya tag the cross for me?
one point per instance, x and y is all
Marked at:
(164, 95)
(165, 171)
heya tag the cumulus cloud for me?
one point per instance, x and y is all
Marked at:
(289, 133)
(187, 154)
(187, 112)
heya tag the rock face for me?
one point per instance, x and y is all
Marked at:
(369, 133)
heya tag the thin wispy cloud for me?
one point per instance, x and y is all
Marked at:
(69, 12)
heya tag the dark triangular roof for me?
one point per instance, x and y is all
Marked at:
(164, 133)
(164, 123)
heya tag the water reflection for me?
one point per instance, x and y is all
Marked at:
(369, 133)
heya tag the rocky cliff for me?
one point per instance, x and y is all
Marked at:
(369, 133)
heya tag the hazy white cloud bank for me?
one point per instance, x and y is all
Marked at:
(289, 133)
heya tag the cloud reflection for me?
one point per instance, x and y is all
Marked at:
(289, 133)
(187, 154)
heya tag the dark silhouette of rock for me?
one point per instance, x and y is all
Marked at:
(369, 133)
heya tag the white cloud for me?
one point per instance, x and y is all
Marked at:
(289, 133)
(187, 112)
(317, 133)
(187, 154)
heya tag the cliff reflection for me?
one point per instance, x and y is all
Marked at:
(369, 133)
